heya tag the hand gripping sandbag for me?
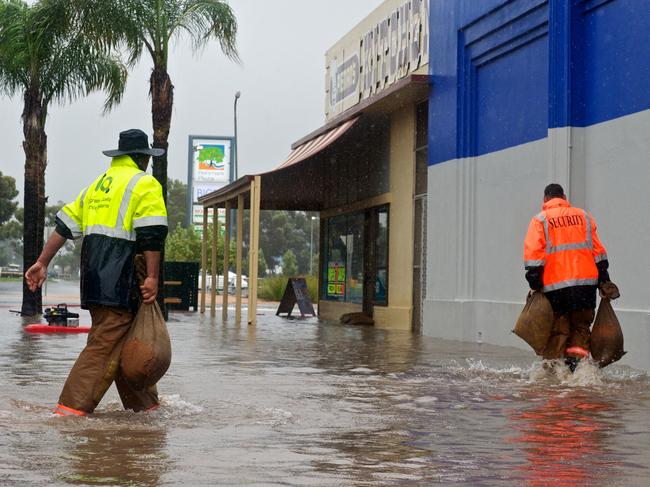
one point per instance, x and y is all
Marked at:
(606, 335)
(535, 322)
(147, 350)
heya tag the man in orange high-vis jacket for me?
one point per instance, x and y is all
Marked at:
(564, 258)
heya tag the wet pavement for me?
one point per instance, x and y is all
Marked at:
(306, 403)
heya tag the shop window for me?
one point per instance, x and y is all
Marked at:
(344, 262)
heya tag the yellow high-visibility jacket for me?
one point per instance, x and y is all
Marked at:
(121, 212)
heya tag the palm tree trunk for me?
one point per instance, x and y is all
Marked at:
(35, 147)
(162, 101)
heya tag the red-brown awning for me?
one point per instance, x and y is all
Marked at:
(317, 144)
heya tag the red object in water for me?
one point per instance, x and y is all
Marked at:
(40, 328)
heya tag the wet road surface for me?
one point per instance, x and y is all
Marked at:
(305, 403)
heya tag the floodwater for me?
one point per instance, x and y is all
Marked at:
(306, 403)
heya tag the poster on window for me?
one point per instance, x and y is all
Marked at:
(212, 160)
(336, 279)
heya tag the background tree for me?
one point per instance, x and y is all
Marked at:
(184, 245)
(70, 259)
(51, 211)
(262, 267)
(176, 204)
(288, 230)
(8, 193)
(44, 58)
(289, 264)
(11, 238)
(149, 26)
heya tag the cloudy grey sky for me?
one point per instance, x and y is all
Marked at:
(282, 44)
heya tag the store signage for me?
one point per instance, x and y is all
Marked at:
(197, 218)
(200, 189)
(336, 279)
(209, 167)
(388, 46)
(211, 161)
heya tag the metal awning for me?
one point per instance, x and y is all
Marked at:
(317, 144)
(303, 152)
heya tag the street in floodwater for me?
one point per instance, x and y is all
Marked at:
(306, 403)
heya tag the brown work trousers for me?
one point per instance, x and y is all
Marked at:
(569, 330)
(98, 366)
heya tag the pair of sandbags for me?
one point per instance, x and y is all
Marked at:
(535, 325)
(147, 350)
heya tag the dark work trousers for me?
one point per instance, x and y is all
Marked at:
(98, 365)
(570, 331)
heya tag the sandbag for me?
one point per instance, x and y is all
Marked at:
(147, 351)
(606, 335)
(356, 319)
(535, 322)
(609, 290)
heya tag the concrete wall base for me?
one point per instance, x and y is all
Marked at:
(492, 322)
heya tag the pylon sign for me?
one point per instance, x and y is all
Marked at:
(209, 168)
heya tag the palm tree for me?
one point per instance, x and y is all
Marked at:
(45, 60)
(150, 25)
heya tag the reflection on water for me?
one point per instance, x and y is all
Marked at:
(303, 403)
(126, 453)
(565, 439)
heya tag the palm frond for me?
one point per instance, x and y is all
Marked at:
(204, 20)
(14, 46)
(41, 46)
(80, 69)
(114, 25)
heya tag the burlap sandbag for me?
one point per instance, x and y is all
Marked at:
(535, 322)
(147, 351)
(606, 335)
(356, 319)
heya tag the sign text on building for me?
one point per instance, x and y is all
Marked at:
(388, 46)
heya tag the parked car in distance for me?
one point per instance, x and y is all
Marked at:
(232, 282)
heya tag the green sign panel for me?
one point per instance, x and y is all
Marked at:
(336, 279)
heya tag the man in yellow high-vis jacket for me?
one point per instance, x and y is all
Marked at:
(120, 214)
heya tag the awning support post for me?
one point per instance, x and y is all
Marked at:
(215, 275)
(226, 259)
(204, 258)
(254, 249)
(238, 266)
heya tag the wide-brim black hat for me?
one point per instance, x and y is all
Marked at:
(133, 141)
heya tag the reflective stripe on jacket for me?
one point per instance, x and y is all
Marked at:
(107, 214)
(563, 239)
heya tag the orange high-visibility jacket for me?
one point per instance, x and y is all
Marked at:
(563, 239)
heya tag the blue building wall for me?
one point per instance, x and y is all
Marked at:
(504, 71)
(611, 59)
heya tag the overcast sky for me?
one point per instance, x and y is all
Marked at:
(282, 44)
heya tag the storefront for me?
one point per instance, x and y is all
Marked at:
(360, 170)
